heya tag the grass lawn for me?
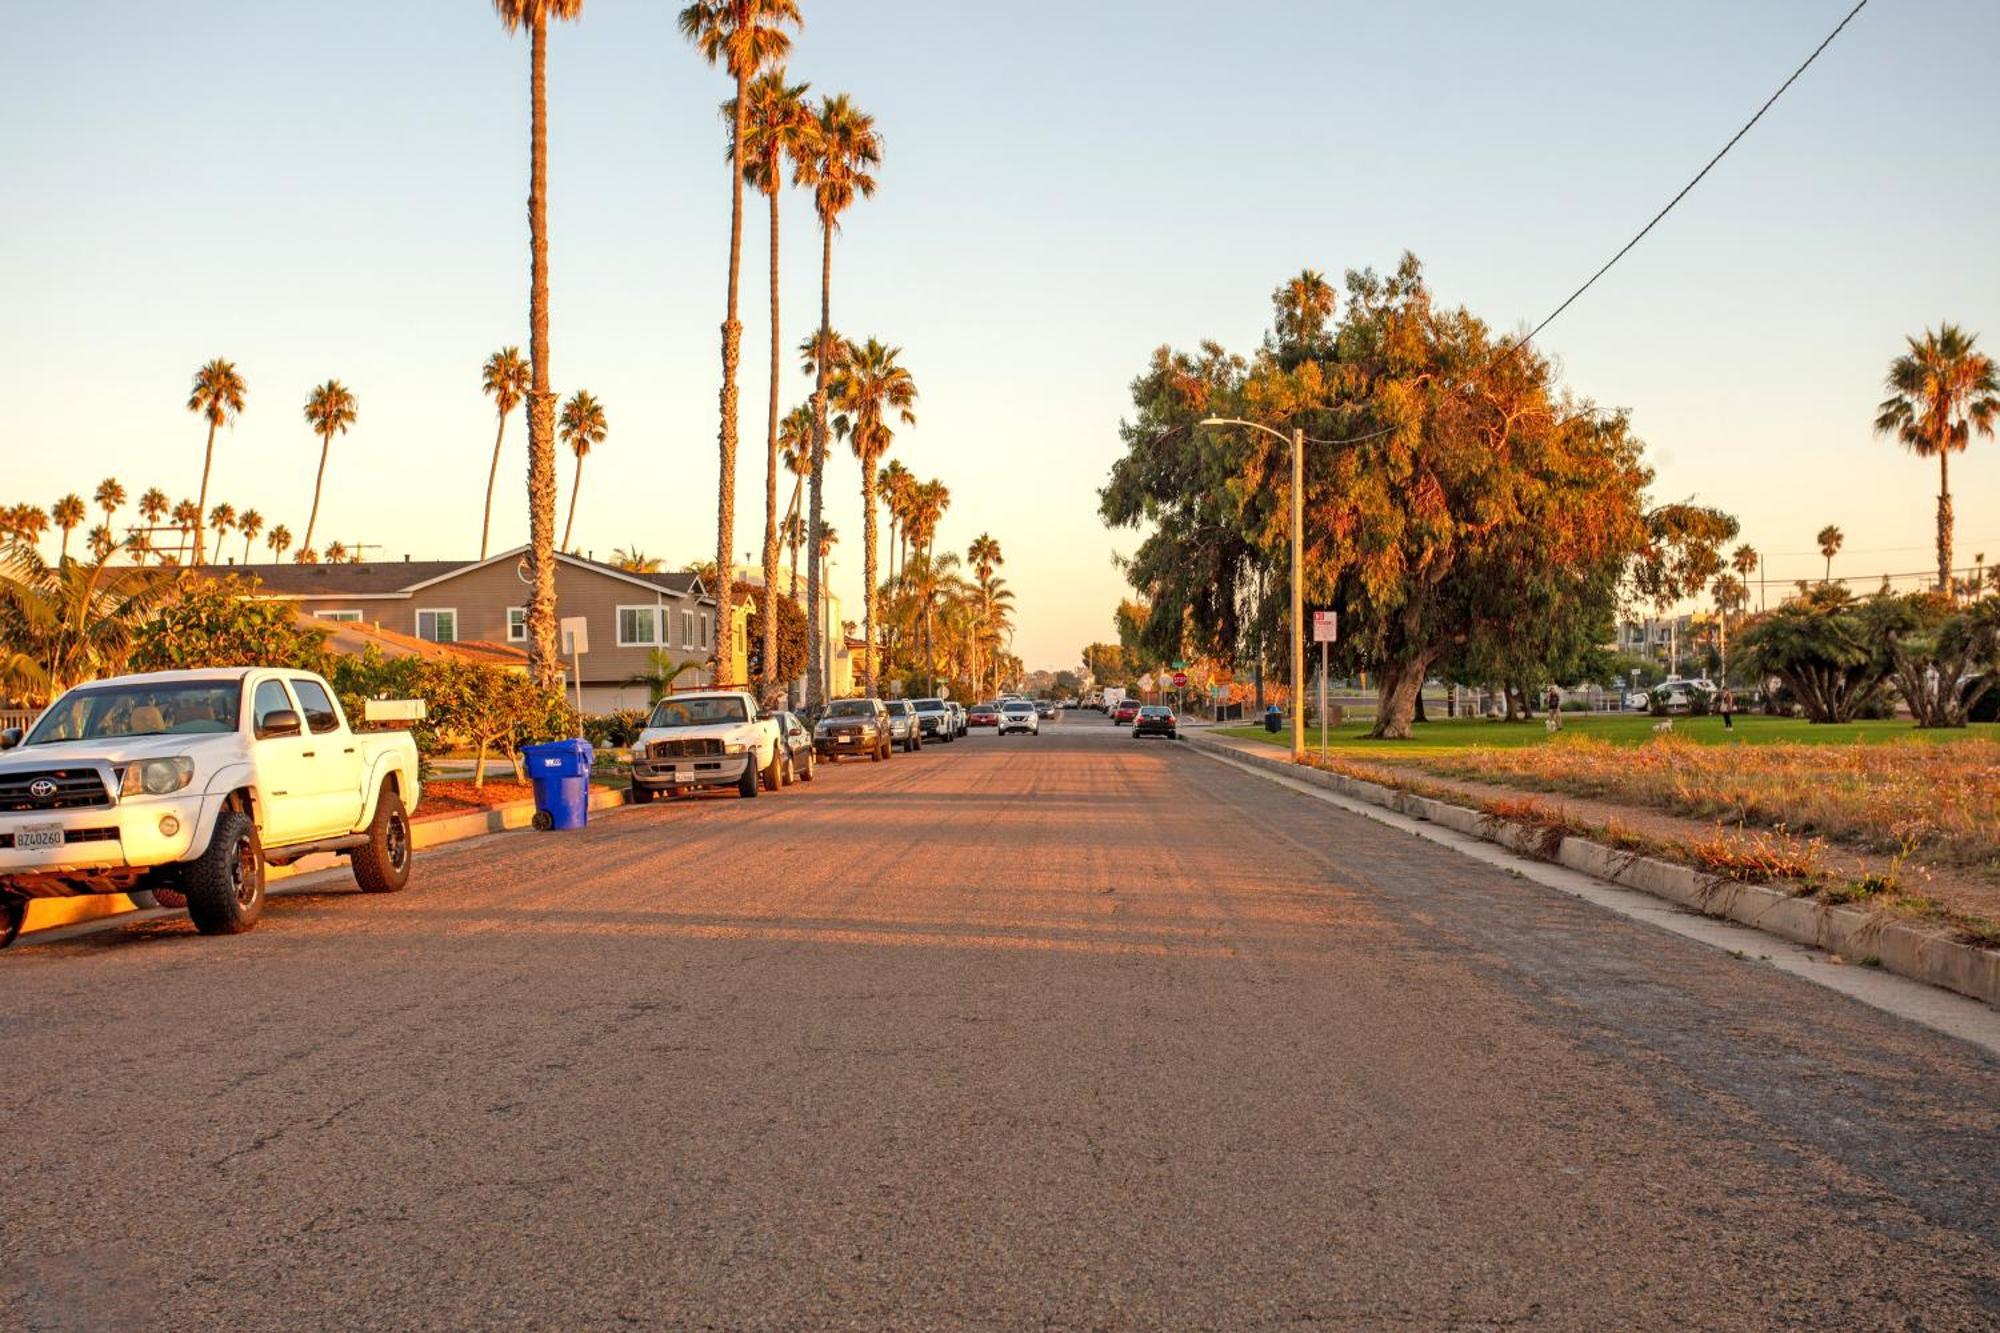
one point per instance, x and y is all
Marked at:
(1448, 734)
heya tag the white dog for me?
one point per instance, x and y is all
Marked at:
(1662, 728)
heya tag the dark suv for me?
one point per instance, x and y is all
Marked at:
(853, 727)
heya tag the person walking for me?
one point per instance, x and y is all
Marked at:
(1555, 708)
(1727, 705)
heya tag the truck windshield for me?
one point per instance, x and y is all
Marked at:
(108, 712)
(852, 708)
(698, 712)
(929, 705)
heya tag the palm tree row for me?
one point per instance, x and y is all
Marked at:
(27, 524)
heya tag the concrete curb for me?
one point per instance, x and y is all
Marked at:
(53, 913)
(1926, 954)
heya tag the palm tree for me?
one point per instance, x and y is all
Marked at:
(844, 150)
(249, 525)
(154, 508)
(223, 519)
(744, 36)
(70, 621)
(1941, 391)
(895, 484)
(110, 497)
(662, 670)
(27, 523)
(635, 561)
(544, 659)
(795, 448)
(873, 387)
(984, 556)
(218, 396)
(1731, 594)
(777, 130)
(504, 378)
(69, 513)
(186, 517)
(336, 553)
(280, 541)
(1305, 304)
(329, 411)
(795, 535)
(1829, 540)
(582, 426)
(1745, 562)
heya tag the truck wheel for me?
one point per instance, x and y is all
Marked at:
(13, 912)
(382, 864)
(225, 886)
(774, 772)
(638, 795)
(746, 786)
(806, 773)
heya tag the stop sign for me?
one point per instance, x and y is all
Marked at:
(1180, 678)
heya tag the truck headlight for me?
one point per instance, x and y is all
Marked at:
(736, 747)
(157, 777)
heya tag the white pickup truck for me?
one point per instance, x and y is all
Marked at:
(712, 738)
(189, 783)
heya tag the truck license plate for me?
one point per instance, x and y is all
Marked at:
(38, 837)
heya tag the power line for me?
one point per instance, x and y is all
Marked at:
(1733, 139)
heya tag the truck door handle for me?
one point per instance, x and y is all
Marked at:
(348, 750)
(307, 754)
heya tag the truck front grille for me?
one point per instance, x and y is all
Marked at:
(687, 749)
(52, 789)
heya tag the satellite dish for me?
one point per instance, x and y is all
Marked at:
(521, 570)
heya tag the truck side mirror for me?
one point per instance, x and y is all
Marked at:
(281, 722)
(10, 738)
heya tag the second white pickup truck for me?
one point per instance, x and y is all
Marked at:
(190, 783)
(712, 738)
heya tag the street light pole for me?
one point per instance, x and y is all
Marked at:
(1297, 440)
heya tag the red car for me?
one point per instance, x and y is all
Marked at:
(983, 715)
(1127, 710)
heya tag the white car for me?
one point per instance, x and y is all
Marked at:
(189, 783)
(714, 738)
(1019, 715)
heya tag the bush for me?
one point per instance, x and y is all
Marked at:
(217, 623)
(466, 703)
(615, 730)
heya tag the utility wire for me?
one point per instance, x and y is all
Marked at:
(1733, 140)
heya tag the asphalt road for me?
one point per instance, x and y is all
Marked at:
(1067, 1031)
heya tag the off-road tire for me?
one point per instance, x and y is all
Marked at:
(746, 786)
(13, 912)
(225, 885)
(382, 864)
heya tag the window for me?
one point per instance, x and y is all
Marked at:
(345, 617)
(322, 715)
(638, 626)
(705, 640)
(687, 629)
(270, 698)
(517, 624)
(438, 626)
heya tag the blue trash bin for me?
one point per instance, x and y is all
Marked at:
(560, 771)
(1273, 719)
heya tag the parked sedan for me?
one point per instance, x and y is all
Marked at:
(1127, 710)
(935, 720)
(795, 747)
(1156, 720)
(1019, 715)
(904, 729)
(1045, 709)
(853, 727)
(983, 715)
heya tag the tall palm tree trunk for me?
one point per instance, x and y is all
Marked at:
(325, 444)
(868, 564)
(732, 345)
(816, 682)
(201, 503)
(576, 484)
(1944, 521)
(771, 469)
(492, 476)
(544, 658)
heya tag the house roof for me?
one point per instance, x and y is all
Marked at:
(401, 578)
(356, 637)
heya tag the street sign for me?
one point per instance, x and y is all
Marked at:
(1180, 679)
(575, 635)
(1326, 626)
(1145, 683)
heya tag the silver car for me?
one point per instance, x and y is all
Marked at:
(905, 728)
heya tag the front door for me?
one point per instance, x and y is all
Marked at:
(284, 770)
(335, 759)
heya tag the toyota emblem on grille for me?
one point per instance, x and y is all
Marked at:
(41, 789)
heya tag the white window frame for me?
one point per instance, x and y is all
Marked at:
(343, 615)
(652, 610)
(434, 611)
(707, 633)
(517, 633)
(687, 630)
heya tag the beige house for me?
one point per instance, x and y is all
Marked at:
(629, 616)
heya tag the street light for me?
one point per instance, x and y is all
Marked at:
(1297, 439)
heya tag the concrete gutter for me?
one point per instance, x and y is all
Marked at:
(1929, 954)
(53, 913)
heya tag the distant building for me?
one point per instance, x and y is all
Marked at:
(1659, 639)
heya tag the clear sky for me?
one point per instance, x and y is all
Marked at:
(317, 191)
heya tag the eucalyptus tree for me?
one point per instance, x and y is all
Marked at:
(846, 149)
(745, 37)
(217, 397)
(1941, 391)
(544, 659)
(505, 379)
